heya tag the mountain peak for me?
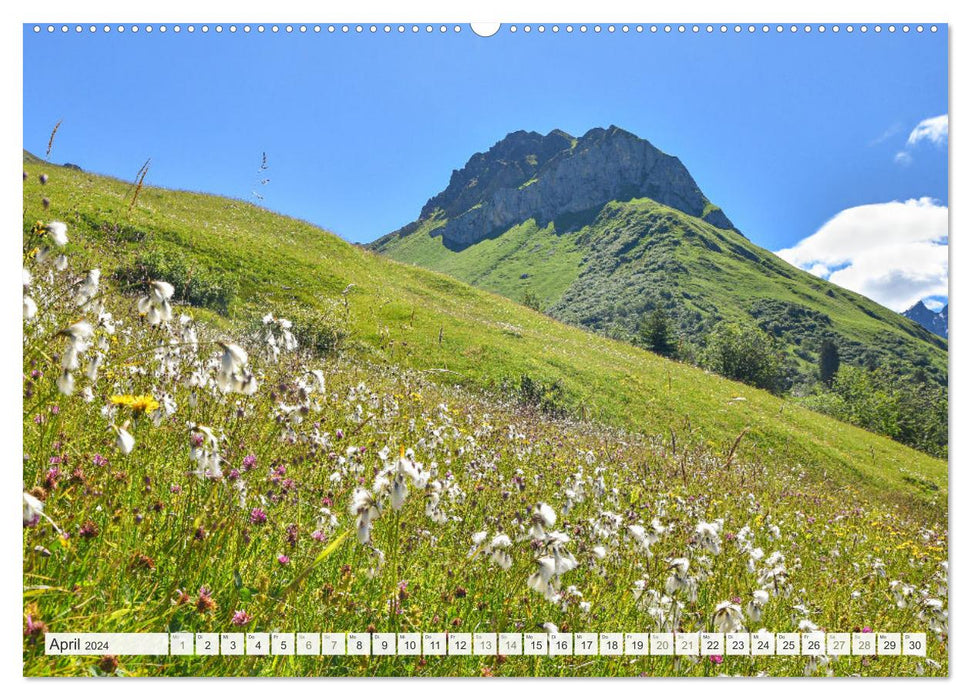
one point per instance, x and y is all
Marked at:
(934, 321)
(611, 131)
(527, 175)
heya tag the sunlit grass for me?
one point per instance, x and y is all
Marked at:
(242, 512)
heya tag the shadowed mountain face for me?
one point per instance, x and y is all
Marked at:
(528, 175)
(602, 230)
(934, 321)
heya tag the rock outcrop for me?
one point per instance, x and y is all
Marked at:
(935, 322)
(530, 176)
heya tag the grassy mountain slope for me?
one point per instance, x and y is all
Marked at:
(457, 333)
(631, 257)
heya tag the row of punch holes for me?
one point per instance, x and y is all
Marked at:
(486, 30)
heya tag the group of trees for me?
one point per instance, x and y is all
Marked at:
(654, 334)
(895, 401)
(829, 361)
(902, 406)
(531, 300)
(746, 354)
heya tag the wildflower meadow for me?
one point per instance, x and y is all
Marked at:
(184, 473)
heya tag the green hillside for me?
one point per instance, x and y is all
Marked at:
(635, 256)
(236, 260)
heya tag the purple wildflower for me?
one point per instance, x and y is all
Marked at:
(257, 516)
(241, 617)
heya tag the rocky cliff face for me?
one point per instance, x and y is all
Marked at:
(527, 175)
(935, 322)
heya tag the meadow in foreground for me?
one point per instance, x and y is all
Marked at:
(178, 479)
(233, 261)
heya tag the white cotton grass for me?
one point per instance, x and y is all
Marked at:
(89, 287)
(807, 626)
(78, 332)
(56, 233)
(434, 493)
(124, 441)
(204, 451)
(933, 613)
(541, 580)
(755, 555)
(404, 470)
(774, 576)
(708, 536)
(816, 663)
(727, 618)
(553, 558)
(901, 593)
(317, 382)
(755, 606)
(287, 341)
(106, 321)
(679, 580)
(496, 549)
(665, 611)
(644, 537)
(399, 492)
(156, 306)
(93, 365)
(65, 383)
(564, 561)
(366, 509)
(78, 336)
(234, 374)
(30, 306)
(57, 230)
(34, 511)
(70, 359)
(543, 516)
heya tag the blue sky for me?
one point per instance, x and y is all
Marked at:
(784, 131)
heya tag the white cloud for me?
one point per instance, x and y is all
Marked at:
(893, 252)
(891, 130)
(820, 270)
(933, 129)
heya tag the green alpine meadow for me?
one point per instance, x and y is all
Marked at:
(608, 233)
(236, 421)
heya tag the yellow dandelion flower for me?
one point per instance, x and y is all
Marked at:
(139, 404)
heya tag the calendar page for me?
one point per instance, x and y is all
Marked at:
(530, 349)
